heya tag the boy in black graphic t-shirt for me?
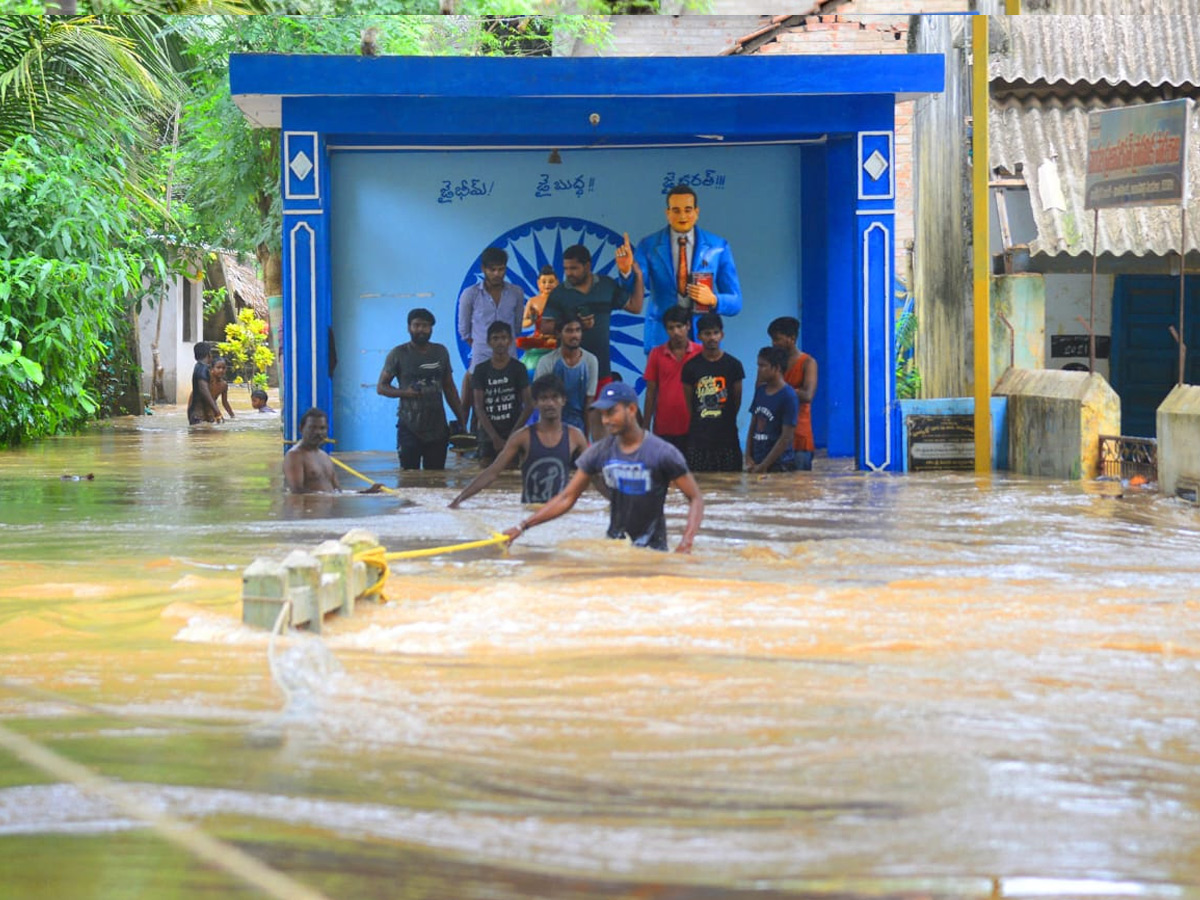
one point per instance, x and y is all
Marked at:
(712, 386)
(500, 387)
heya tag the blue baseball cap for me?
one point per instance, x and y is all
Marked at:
(613, 393)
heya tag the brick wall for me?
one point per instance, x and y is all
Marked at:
(824, 34)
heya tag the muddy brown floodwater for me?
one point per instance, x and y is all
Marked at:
(858, 686)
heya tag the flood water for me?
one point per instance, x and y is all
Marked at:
(858, 686)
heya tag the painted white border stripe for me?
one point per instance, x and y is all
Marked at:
(564, 147)
(293, 388)
(866, 332)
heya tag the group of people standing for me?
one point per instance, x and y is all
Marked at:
(588, 420)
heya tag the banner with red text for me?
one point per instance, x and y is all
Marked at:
(1137, 155)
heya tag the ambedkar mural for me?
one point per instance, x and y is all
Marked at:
(407, 230)
(531, 246)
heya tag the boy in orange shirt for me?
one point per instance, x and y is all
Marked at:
(801, 374)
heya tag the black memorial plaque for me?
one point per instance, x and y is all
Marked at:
(941, 443)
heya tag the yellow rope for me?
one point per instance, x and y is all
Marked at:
(496, 538)
(378, 557)
(340, 464)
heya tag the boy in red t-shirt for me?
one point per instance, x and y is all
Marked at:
(666, 410)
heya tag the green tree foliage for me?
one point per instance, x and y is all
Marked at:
(231, 171)
(63, 78)
(908, 376)
(73, 254)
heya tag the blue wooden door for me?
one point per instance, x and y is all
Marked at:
(1145, 358)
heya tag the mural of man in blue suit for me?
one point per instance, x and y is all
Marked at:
(707, 279)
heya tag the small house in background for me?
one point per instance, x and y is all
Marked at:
(168, 332)
(1047, 74)
(243, 288)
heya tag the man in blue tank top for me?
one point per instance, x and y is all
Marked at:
(547, 449)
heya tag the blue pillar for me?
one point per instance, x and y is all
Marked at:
(875, 212)
(306, 291)
(814, 311)
(838, 375)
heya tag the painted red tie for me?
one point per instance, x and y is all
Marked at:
(681, 268)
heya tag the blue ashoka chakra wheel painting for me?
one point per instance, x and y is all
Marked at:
(541, 242)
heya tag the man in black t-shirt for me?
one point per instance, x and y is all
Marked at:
(500, 390)
(712, 385)
(421, 370)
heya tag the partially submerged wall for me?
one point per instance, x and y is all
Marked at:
(1178, 420)
(1055, 420)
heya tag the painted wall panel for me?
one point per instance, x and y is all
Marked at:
(1067, 298)
(407, 230)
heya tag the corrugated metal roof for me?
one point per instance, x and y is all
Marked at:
(1096, 49)
(1100, 7)
(1034, 132)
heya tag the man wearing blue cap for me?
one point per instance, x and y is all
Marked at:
(637, 467)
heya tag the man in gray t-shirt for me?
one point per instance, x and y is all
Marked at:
(637, 467)
(421, 370)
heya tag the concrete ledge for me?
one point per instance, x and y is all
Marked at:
(314, 584)
(1178, 425)
(1055, 419)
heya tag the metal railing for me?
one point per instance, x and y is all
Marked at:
(1124, 457)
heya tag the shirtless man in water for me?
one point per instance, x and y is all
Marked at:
(308, 470)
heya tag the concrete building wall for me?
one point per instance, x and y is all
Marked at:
(1021, 343)
(837, 34)
(941, 260)
(1055, 420)
(168, 340)
(1178, 421)
(1068, 298)
(175, 340)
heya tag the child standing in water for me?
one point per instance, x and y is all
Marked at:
(258, 399)
(218, 386)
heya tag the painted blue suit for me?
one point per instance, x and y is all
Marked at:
(655, 253)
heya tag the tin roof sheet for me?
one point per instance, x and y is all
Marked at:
(1035, 132)
(1097, 49)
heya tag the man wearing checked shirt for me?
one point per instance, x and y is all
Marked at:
(491, 300)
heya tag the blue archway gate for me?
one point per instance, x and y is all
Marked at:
(397, 172)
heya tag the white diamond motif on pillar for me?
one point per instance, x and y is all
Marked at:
(875, 165)
(301, 165)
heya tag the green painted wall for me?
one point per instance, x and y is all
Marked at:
(1021, 299)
